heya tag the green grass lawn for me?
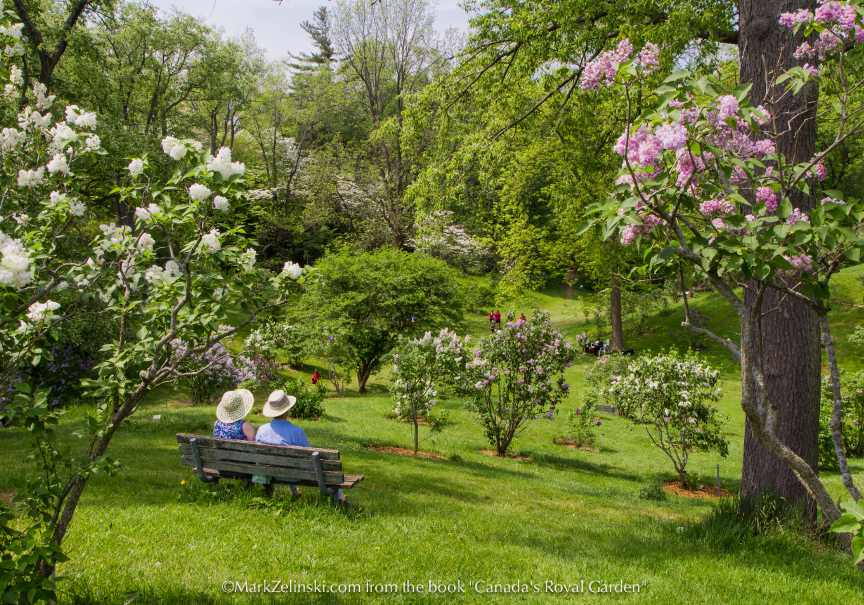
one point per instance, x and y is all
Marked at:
(560, 516)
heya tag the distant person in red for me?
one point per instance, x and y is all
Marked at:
(497, 319)
(316, 376)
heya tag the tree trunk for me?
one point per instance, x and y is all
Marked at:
(363, 373)
(617, 343)
(790, 328)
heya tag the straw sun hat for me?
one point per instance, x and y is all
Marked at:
(234, 406)
(278, 403)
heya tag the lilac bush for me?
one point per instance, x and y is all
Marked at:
(213, 371)
(516, 374)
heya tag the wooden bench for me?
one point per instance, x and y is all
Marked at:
(215, 459)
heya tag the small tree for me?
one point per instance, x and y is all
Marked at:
(517, 373)
(671, 396)
(377, 297)
(422, 366)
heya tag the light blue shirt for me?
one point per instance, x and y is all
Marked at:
(281, 432)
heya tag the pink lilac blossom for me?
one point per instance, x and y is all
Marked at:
(802, 262)
(790, 20)
(602, 70)
(832, 200)
(811, 70)
(648, 57)
(767, 196)
(642, 148)
(671, 136)
(764, 147)
(727, 107)
(716, 206)
(762, 115)
(797, 217)
(841, 13)
(751, 218)
(820, 171)
(718, 223)
(804, 51)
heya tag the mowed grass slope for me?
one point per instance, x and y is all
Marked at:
(560, 516)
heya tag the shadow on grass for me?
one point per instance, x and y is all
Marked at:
(660, 547)
(577, 464)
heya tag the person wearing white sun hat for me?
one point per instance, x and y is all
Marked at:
(280, 431)
(230, 414)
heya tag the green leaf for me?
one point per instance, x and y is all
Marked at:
(846, 524)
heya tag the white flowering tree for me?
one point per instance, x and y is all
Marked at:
(671, 396)
(421, 368)
(167, 283)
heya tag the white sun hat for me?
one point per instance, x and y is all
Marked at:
(278, 403)
(234, 406)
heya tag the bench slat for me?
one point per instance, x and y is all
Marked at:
(216, 453)
(282, 473)
(251, 446)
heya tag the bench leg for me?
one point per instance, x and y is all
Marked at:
(268, 490)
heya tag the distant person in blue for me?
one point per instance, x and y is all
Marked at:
(280, 431)
(230, 412)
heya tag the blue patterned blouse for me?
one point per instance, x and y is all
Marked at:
(233, 430)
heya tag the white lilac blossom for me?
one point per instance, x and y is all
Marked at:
(58, 164)
(158, 276)
(292, 270)
(113, 234)
(77, 208)
(224, 166)
(30, 178)
(62, 136)
(146, 242)
(56, 198)
(174, 148)
(43, 99)
(210, 241)
(93, 143)
(199, 192)
(221, 203)
(42, 311)
(15, 267)
(16, 76)
(136, 167)
(81, 119)
(248, 258)
(145, 214)
(10, 138)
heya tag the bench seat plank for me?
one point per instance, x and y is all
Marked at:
(251, 446)
(276, 472)
(214, 453)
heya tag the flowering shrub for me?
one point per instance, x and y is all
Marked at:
(213, 371)
(516, 374)
(169, 276)
(310, 398)
(580, 425)
(438, 236)
(671, 396)
(421, 366)
(264, 345)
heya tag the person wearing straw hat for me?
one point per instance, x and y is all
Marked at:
(280, 431)
(232, 409)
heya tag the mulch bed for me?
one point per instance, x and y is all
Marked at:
(703, 492)
(403, 451)
(568, 442)
(510, 456)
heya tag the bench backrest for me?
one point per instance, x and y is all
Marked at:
(281, 462)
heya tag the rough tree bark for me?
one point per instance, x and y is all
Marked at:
(790, 327)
